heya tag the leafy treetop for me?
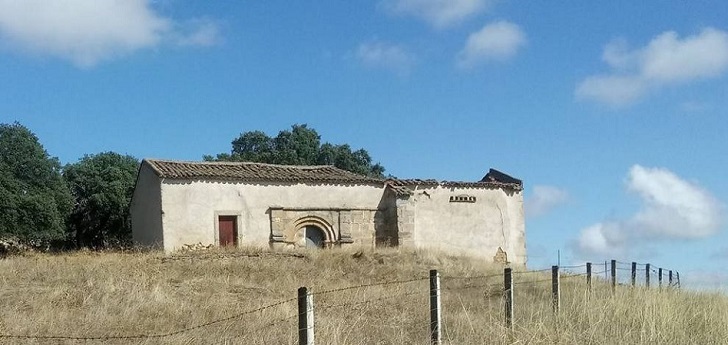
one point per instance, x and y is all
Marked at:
(34, 199)
(102, 186)
(299, 146)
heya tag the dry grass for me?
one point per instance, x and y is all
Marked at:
(118, 294)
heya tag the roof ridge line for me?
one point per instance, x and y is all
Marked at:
(240, 163)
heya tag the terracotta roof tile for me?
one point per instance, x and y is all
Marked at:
(262, 172)
(256, 172)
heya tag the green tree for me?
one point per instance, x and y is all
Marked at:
(34, 200)
(299, 146)
(102, 186)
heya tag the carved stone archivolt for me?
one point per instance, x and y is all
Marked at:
(339, 226)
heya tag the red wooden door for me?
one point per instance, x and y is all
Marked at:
(228, 230)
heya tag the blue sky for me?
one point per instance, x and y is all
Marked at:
(613, 113)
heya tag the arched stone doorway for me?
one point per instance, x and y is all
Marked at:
(314, 236)
(313, 232)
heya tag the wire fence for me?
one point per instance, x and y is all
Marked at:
(400, 306)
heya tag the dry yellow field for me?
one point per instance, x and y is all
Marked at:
(212, 298)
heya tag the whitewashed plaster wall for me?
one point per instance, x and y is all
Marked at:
(494, 220)
(191, 208)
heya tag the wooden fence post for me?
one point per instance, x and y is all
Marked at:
(555, 289)
(669, 279)
(588, 276)
(435, 309)
(659, 277)
(614, 275)
(508, 289)
(647, 275)
(634, 273)
(305, 317)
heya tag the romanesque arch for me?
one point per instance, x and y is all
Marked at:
(296, 230)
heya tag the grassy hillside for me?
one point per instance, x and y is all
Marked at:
(113, 294)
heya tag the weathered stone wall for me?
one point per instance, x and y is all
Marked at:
(466, 221)
(146, 209)
(191, 209)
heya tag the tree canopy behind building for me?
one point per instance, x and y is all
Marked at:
(34, 199)
(102, 186)
(299, 146)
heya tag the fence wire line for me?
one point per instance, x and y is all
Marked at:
(572, 267)
(446, 288)
(473, 277)
(367, 285)
(146, 336)
(531, 271)
(272, 323)
(367, 301)
(527, 282)
(577, 275)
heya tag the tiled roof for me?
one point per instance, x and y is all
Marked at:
(262, 172)
(256, 172)
(494, 179)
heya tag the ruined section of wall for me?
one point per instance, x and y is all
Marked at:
(406, 209)
(190, 209)
(146, 209)
(470, 221)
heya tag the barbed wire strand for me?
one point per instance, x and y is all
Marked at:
(146, 336)
(531, 282)
(447, 288)
(315, 293)
(473, 277)
(268, 325)
(532, 271)
(412, 293)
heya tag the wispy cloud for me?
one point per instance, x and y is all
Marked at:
(498, 41)
(198, 33)
(544, 199)
(378, 54)
(439, 13)
(88, 32)
(666, 60)
(671, 209)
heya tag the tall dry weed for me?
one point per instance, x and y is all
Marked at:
(90, 294)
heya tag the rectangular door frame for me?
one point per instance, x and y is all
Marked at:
(238, 227)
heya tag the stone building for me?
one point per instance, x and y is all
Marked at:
(179, 203)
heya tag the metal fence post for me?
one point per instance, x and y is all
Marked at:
(305, 317)
(634, 273)
(659, 277)
(508, 290)
(647, 275)
(555, 288)
(614, 275)
(678, 279)
(588, 276)
(435, 309)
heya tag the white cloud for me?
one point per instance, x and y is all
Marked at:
(496, 41)
(666, 60)
(200, 33)
(88, 32)
(671, 209)
(544, 199)
(384, 55)
(439, 13)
